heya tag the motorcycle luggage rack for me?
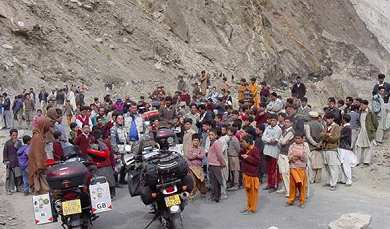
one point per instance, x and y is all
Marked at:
(168, 184)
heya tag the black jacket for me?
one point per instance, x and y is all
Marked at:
(346, 138)
(336, 114)
(298, 91)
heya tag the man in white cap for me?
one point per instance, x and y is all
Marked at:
(313, 131)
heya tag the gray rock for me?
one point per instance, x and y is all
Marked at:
(6, 46)
(100, 40)
(351, 221)
(88, 7)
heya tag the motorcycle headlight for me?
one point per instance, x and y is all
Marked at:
(170, 140)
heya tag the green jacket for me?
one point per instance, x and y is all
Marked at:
(371, 125)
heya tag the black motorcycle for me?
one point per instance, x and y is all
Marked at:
(160, 177)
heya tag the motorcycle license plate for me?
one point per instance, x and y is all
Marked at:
(71, 207)
(172, 200)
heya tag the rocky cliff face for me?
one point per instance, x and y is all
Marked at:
(140, 43)
(376, 15)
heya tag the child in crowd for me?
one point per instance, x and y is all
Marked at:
(74, 129)
(58, 152)
(36, 118)
(195, 156)
(23, 162)
(297, 155)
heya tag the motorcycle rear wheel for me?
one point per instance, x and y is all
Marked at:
(174, 222)
(85, 224)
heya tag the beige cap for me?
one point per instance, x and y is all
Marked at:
(314, 114)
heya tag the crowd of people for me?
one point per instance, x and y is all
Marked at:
(229, 143)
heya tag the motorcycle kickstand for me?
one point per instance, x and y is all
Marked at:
(150, 223)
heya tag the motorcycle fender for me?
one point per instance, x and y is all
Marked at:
(175, 209)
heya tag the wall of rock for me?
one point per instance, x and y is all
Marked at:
(138, 44)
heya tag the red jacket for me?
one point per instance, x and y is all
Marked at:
(185, 98)
(250, 166)
(58, 152)
(84, 142)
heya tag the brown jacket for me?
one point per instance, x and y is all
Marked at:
(330, 137)
(29, 105)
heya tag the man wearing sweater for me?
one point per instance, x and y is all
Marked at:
(215, 164)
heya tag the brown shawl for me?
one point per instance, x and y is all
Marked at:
(38, 157)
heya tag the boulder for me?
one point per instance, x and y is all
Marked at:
(351, 221)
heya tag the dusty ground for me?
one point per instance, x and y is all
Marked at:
(369, 194)
(324, 206)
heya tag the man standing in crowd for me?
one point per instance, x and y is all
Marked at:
(168, 112)
(330, 139)
(10, 159)
(255, 90)
(275, 105)
(368, 127)
(355, 124)
(215, 164)
(381, 114)
(42, 97)
(283, 163)
(333, 110)
(313, 130)
(194, 116)
(181, 84)
(134, 123)
(29, 108)
(271, 139)
(298, 90)
(8, 120)
(347, 157)
(385, 85)
(187, 137)
(233, 158)
(119, 139)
